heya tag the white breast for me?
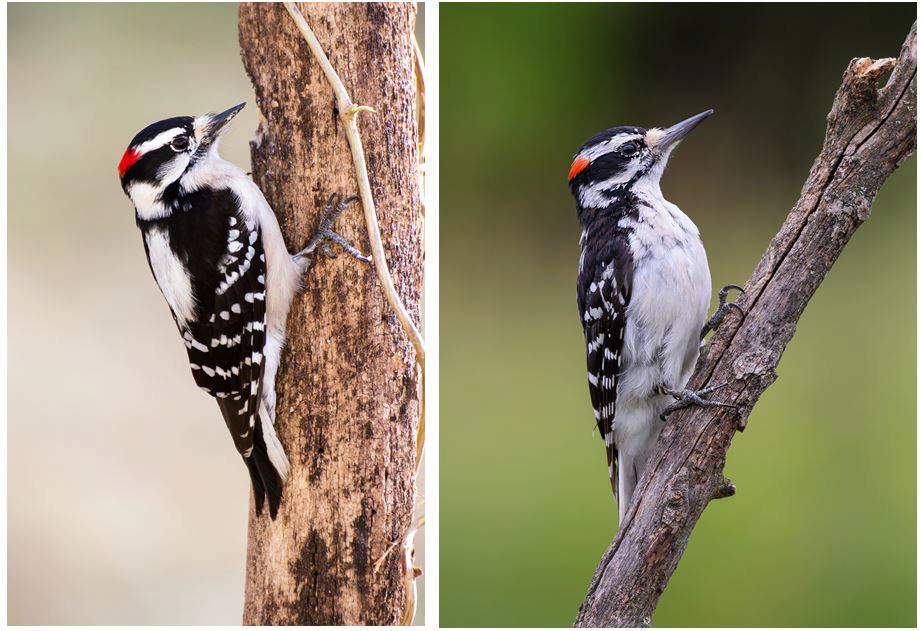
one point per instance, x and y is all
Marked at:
(171, 275)
(668, 303)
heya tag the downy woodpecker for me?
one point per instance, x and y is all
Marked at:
(643, 292)
(217, 253)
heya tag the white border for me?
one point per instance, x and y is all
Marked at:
(4, 406)
(430, 576)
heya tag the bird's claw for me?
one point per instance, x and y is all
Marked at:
(724, 308)
(686, 398)
(325, 236)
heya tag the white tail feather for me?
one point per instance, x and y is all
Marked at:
(273, 447)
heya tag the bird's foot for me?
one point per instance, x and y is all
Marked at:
(724, 308)
(325, 236)
(686, 398)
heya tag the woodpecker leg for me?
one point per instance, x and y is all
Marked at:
(686, 398)
(325, 236)
(725, 307)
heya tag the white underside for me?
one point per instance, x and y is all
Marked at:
(668, 307)
(273, 346)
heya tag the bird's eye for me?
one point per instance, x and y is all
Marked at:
(180, 143)
(629, 149)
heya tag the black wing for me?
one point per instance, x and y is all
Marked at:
(605, 277)
(225, 347)
(226, 341)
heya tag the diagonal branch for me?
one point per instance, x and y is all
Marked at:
(869, 134)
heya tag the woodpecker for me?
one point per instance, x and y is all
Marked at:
(216, 251)
(643, 292)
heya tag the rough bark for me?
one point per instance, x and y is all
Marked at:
(348, 388)
(869, 133)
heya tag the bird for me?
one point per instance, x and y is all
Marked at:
(216, 251)
(643, 292)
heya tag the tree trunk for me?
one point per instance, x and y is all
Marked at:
(870, 132)
(348, 388)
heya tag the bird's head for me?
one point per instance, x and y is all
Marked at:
(164, 151)
(621, 159)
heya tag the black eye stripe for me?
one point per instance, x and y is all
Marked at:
(151, 131)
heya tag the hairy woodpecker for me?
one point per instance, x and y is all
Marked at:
(643, 292)
(217, 253)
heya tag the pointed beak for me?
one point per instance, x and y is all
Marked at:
(674, 134)
(216, 124)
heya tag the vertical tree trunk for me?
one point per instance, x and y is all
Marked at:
(348, 388)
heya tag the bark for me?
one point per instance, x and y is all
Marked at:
(870, 131)
(348, 388)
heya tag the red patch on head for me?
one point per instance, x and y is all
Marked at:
(578, 165)
(131, 156)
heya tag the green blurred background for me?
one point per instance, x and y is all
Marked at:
(822, 530)
(127, 503)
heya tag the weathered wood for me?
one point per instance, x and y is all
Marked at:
(348, 386)
(870, 132)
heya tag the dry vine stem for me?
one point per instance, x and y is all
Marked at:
(349, 113)
(870, 132)
(420, 118)
(420, 106)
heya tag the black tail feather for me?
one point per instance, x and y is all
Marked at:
(258, 489)
(270, 480)
(265, 478)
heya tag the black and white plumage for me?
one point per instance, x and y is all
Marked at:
(643, 290)
(216, 251)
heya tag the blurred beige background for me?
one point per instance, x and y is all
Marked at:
(127, 502)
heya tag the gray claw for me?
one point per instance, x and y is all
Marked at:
(724, 307)
(325, 236)
(687, 397)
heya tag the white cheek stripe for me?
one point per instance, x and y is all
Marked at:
(158, 141)
(146, 200)
(596, 194)
(172, 169)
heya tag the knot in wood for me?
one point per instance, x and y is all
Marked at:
(675, 500)
(677, 506)
(755, 367)
(863, 74)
